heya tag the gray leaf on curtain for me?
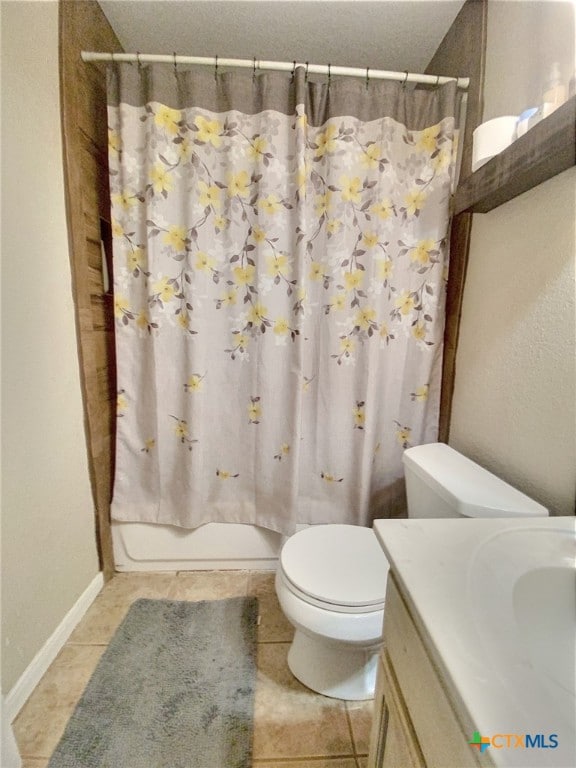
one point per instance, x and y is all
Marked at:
(280, 257)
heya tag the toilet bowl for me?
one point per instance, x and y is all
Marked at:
(331, 579)
(331, 582)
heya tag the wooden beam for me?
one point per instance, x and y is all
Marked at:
(85, 140)
(462, 53)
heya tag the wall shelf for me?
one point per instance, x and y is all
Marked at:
(544, 151)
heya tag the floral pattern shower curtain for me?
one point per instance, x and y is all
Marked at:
(280, 256)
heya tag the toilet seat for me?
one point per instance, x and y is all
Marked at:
(340, 568)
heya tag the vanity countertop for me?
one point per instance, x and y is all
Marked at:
(459, 578)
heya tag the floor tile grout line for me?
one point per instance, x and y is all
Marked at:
(302, 758)
(350, 728)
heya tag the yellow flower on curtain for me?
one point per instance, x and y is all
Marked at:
(442, 160)
(194, 383)
(371, 156)
(181, 429)
(316, 271)
(254, 410)
(270, 204)
(420, 394)
(281, 327)
(346, 345)
(322, 203)
(238, 184)
(415, 201)
(160, 179)
(143, 321)
(114, 142)
(257, 147)
(325, 141)
(333, 225)
(209, 195)
(403, 435)
(183, 320)
(421, 253)
(428, 138)
(384, 269)
(359, 414)
(135, 259)
(229, 297)
(223, 474)
(370, 239)
(419, 331)
(405, 303)
(329, 477)
(117, 228)
(258, 234)
(121, 305)
(204, 263)
(353, 279)
(278, 265)
(208, 131)
(302, 178)
(164, 289)
(185, 149)
(383, 209)
(176, 238)
(124, 200)
(244, 275)
(365, 318)
(283, 451)
(257, 314)
(121, 403)
(220, 223)
(338, 301)
(351, 189)
(168, 119)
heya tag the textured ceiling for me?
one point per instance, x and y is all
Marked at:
(381, 34)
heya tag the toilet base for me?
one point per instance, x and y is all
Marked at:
(334, 669)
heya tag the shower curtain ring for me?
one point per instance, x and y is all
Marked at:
(437, 80)
(405, 79)
(306, 75)
(138, 61)
(254, 70)
(329, 76)
(216, 68)
(367, 77)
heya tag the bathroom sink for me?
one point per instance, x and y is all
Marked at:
(544, 601)
(522, 589)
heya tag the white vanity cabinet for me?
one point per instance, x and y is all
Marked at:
(416, 721)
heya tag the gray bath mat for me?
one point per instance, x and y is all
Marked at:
(174, 689)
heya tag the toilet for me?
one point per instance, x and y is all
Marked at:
(331, 579)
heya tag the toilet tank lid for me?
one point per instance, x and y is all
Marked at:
(468, 487)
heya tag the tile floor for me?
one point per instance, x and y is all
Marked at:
(293, 727)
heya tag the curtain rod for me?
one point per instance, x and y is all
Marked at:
(283, 66)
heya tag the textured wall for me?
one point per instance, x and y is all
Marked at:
(48, 543)
(515, 392)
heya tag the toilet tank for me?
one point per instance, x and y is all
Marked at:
(440, 482)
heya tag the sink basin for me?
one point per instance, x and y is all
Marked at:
(522, 590)
(544, 601)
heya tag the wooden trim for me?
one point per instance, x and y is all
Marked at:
(84, 140)
(462, 53)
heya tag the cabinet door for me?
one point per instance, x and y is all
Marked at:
(393, 743)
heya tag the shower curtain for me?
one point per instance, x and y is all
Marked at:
(280, 257)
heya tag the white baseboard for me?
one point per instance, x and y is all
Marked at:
(32, 675)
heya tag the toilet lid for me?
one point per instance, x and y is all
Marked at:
(337, 564)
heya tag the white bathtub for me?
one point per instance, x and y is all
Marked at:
(218, 546)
